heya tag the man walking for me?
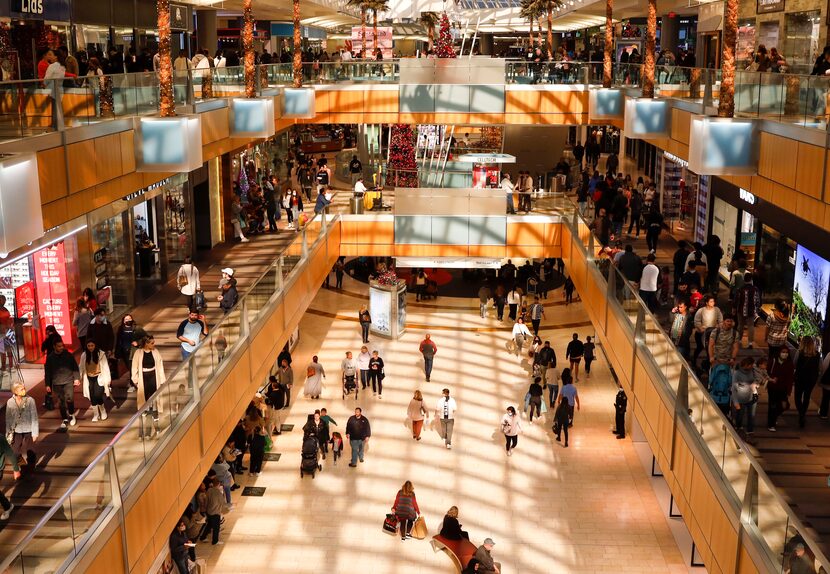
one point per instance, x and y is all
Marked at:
(484, 295)
(445, 415)
(569, 394)
(620, 406)
(349, 368)
(514, 299)
(355, 169)
(285, 375)
(190, 332)
(62, 376)
(545, 358)
(537, 313)
(428, 350)
(747, 302)
(358, 432)
(574, 352)
(648, 283)
(507, 188)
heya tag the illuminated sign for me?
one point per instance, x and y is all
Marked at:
(141, 192)
(52, 290)
(747, 197)
(24, 298)
(486, 158)
(675, 159)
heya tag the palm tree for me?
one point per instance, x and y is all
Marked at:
(430, 21)
(609, 44)
(376, 6)
(548, 6)
(726, 103)
(530, 10)
(248, 49)
(648, 57)
(167, 104)
(298, 52)
(363, 5)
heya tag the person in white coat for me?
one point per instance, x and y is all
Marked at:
(96, 379)
(314, 381)
(148, 374)
(511, 426)
(187, 280)
(520, 334)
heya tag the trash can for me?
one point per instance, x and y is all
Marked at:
(356, 204)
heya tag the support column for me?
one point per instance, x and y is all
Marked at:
(485, 44)
(206, 30)
(669, 33)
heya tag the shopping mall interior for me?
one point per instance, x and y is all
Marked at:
(472, 286)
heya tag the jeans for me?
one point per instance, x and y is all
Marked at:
(553, 391)
(428, 366)
(364, 331)
(651, 239)
(377, 383)
(364, 378)
(510, 203)
(213, 523)
(446, 429)
(745, 414)
(65, 394)
(776, 406)
(482, 309)
(650, 299)
(635, 222)
(750, 324)
(802, 398)
(186, 354)
(357, 449)
(500, 311)
(535, 323)
(588, 365)
(510, 442)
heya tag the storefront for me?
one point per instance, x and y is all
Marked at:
(135, 240)
(684, 197)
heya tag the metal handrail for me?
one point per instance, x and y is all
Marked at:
(110, 447)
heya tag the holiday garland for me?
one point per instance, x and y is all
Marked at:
(444, 46)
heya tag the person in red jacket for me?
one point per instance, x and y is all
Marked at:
(780, 385)
(428, 350)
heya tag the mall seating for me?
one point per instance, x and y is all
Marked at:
(460, 551)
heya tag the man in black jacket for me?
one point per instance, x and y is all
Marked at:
(62, 376)
(275, 395)
(574, 352)
(358, 432)
(630, 265)
(620, 406)
(545, 357)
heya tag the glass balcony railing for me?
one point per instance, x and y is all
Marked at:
(764, 513)
(65, 529)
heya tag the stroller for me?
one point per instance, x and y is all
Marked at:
(349, 385)
(311, 451)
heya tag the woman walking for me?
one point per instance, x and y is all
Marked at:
(376, 374)
(126, 344)
(314, 379)
(807, 368)
(520, 334)
(406, 509)
(365, 322)
(22, 424)
(416, 413)
(779, 386)
(511, 426)
(96, 379)
(148, 373)
(561, 421)
(81, 319)
(187, 280)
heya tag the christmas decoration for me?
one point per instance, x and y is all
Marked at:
(207, 84)
(491, 138)
(105, 98)
(444, 47)
(248, 49)
(167, 104)
(297, 65)
(243, 183)
(403, 171)
(388, 278)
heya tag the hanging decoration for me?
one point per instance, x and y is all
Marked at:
(244, 187)
(403, 171)
(105, 99)
(444, 47)
(167, 104)
(491, 138)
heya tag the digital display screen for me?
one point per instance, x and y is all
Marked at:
(810, 285)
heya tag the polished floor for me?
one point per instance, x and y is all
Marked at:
(587, 508)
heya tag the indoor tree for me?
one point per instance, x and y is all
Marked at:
(651, 47)
(530, 10)
(547, 7)
(167, 104)
(248, 49)
(363, 6)
(298, 52)
(430, 21)
(726, 99)
(376, 6)
(609, 44)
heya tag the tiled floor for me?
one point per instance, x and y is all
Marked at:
(588, 508)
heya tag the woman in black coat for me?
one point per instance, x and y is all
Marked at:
(451, 528)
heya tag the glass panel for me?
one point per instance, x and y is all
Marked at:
(90, 499)
(178, 387)
(51, 544)
(130, 450)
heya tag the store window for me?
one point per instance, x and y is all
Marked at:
(724, 224)
(113, 259)
(801, 45)
(177, 224)
(775, 269)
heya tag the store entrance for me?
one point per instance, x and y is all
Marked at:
(150, 261)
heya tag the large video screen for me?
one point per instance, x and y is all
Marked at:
(810, 285)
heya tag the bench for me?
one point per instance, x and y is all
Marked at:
(460, 551)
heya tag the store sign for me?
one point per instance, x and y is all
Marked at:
(769, 6)
(178, 17)
(486, 158)
(675, 159)
(41, 9)
(52, 289)
(747, 197)
(24, 297)
(141, 192)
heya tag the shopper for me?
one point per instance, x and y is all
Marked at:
(148, 373)
(507, 187)
(228, 295)
(81, 319)
(406, 509)
(358, 432)
(445, 415)
(588, 350)
(190, 332)
(778, 328)
(187, 280)
(552, 381)
(348, 368)
(682, 325)
(707, 319)
(365, 323)
(100, 331)
(62, 376)
(416, 412)
(484, 295)
(747, 303)
(570, 395)
(574, 353)
(743, 397)
(649, 283)
(545, 357)
(285, 374)
(535, 394)
(317, 428)
(486, 565)
(215, 507)
(514, 299)
(275, 394)
(807, 367)
(620, 406)
(315, 373)
(499, 301)
(126, 343)
(376, 374)
(724, 343)
(537, 313)
(511, 426)
(179, 547)
(428, 349)
(561, 419)
(520, 334)
(22, 424)
(96, 379)
(451, 528)
(780, 385)
(363, 359)
(568, 289)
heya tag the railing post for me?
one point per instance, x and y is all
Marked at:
(611, 292)
(640, 325)
(189, 89)
(304, 240)
(707, 87)
(590, 255)
(749, 506)
(117, 502)
(57, 103)
(244, 324)
(278, 282)
(193, 378)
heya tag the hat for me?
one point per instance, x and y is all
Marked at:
(489, 541)
(228, 271)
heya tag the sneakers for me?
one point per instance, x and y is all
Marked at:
(509, 453)
(353, 465)
(7, 513)
(73, 421)
(449, 446)
(94, 415)
(131, 389)
(243, 240)
(64, 424)
(772, 429)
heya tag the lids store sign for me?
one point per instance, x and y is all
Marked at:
(57, 10)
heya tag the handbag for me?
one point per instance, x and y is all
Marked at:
(182, 281)
(390, 524)
(10, 434)
(419, 529)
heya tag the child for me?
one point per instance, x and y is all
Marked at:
(665, 285)
(327, 421)
(552, 383)
(695, 298)
(336, 445)
(759, 371)
(257, 450)
(569, 291)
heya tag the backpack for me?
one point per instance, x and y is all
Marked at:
(720, 383)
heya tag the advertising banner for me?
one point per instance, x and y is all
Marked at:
(52, 290)
(384, 41)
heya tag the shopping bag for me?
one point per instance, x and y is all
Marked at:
(544, 406)
(419, 529)
(390, 524)
(269, 444)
